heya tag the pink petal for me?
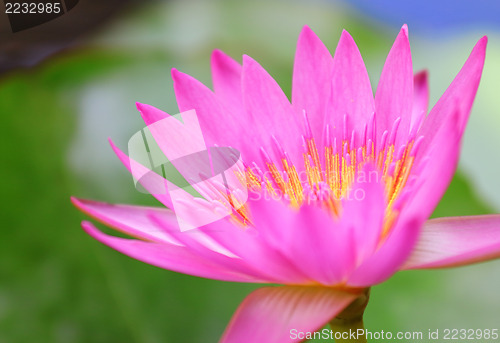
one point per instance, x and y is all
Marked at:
(203, 246)
(251, 247)
(395, 89)
(458, 97)
(152, 182)
(363, 212)
(176, 139)
(150, 114)
(322, 247)
(187, 209)
(434, 176)
(223, 124)
(309, 238)
(390, 256)
(312, 75)
(420, 98)
(183, 144)
(132, 220)
(451, 242)
(433, 181)
(160, 226)
(270, 111)
(271, 314)
(219, 124)
(226, 76)
(351, 93)
(172, 257)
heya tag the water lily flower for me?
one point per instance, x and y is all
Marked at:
(341, 185)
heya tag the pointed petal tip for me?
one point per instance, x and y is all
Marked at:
(142, 108)
(403, 34)
(84, 206)
(121, 155)
(307, 35)
(306, 31)
(92, 230)
(75, 201)
(113, 145)
(249, 62)
(422, 76)
(217, 56)
(247, 59)
(404, 29)
(81, 203)
(78, 202)
(423, 72)
(463, 241)
(176, 74)
(480, 47)
(481, 43)
(88, 227)
(150, 114)
(219, 61)
(346, 40)
(217, 52)
(139, 106)
(345, 34)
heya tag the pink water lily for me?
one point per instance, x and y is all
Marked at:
(322, 226)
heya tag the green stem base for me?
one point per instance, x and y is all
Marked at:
(349, 323)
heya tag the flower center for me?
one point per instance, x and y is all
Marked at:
(326, 181)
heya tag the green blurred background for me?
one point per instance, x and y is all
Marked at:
(59, 285)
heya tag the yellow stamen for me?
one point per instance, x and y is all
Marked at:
(327, 184)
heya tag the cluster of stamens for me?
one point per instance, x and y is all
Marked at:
(329, 180)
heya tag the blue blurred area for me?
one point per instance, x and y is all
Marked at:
(431, 16)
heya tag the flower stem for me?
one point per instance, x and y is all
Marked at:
(348, 325)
